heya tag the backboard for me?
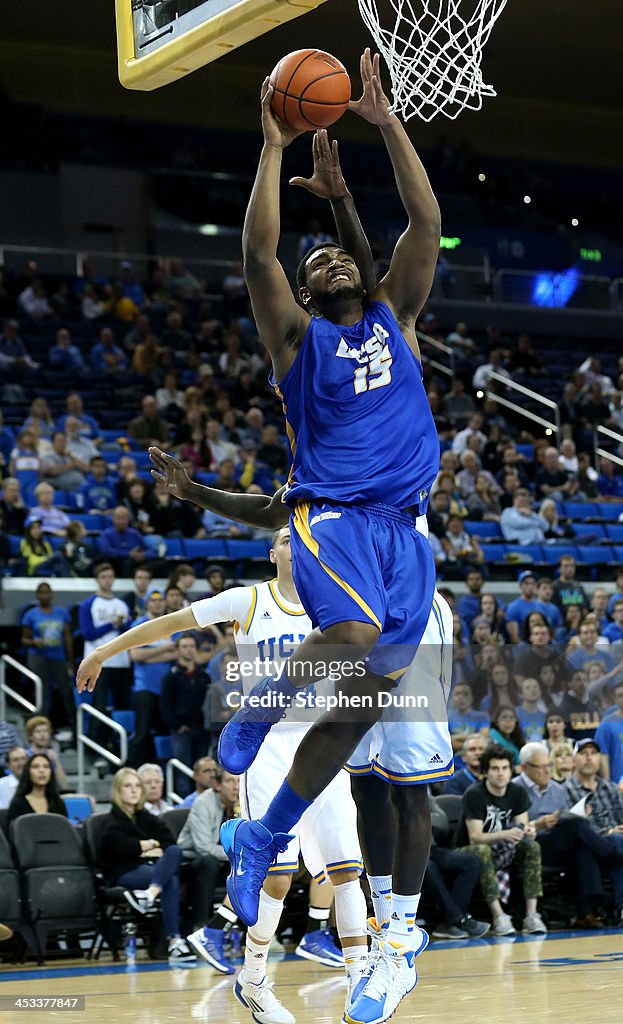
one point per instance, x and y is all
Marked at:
(161, 40)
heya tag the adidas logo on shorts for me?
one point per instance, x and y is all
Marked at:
(435, 759)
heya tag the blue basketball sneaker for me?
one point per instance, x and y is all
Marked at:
(247, 729)
(251, 849)
(393, 976)
(209, 944)
(319, 946)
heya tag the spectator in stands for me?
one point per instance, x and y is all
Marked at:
(450, 879)
(54, 521)
(102, 617)
(140, 505)
(97, 494)
(591, 370)
(148, 357)
(482, 376)
(568, 459)
(126, 470)
(173, 599)
(8, 739)
(136, 598)
(25, 463)
(545, 593)
(175, 336)
(7, 443)
(463, 719)
(37, 553)
(169, 397)
(609, 736)
(473, 428)
(216, 580)
(554, 731)
(513, 460)
(618, 592)
(469, 603)
(181, 282)
(77, 550)
(149, 429)
(519, 524)
(182, 696)
(37, 791)
(34, 300)
(122, 543)
(530, 711)
(15, 761)
(462, 550)
(501, 689)
(151, 664)
(556, 527)
(587, 479)
(40, 417)
(171, 517)
(313, 236)
(81, 447)
(222, 699)
(566, 590)
(483, 503)
(609, 482)
(588, 651)
(506, 732)
(599, 607)
(153, 783)
(538, 655)
(130, 287)
(39, 739)
(138, 851)
(15, 362)
(593, 408)
(518, 610)
(459, 405)
(496, 816)
(64, 356)
(12, 506)
(183, 576)
(47, 636)
(107, 359)
(577, 708)
(562, 760)
(614, 630)
(92, 305)
(471, 752)
(89, 426)
(64, 471)
(552, 480)
(523, 359)
(204, 777)
(572, 617)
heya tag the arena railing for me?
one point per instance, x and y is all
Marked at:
(425, 339)
(173, 765)
(603, 452)
(8, 691)
(550, 428)
(83, 741)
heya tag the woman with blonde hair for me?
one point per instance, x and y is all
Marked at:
(562, 761)
(554, 527)
(137, 851)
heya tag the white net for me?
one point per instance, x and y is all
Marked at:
(434, 52)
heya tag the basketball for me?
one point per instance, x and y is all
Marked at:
(312, 89)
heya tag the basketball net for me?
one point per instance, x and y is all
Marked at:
(434, 52)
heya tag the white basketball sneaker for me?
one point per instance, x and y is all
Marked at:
(261, 1001)
(393, 976)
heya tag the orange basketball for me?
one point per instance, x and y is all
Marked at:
(312, 89)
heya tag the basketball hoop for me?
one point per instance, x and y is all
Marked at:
(434, 53)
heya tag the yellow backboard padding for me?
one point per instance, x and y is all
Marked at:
(200, 45)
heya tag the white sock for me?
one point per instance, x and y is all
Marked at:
(258, 943)
(402, 927)
(381, 892)
(350, 912)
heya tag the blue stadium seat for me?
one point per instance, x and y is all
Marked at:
(493, 552)
(78, 808)
(126, 719)
(527, 551)
(56, 542)
(142, 459)
(14, 543)
(207, 479)
(614, 531)
(599, 555)
(90, 522)
(580, 509)
(174, 546)
(618, 554)
(609, 512)
(483, 529)
(553, 554)
(209, 548)
(109, 434)
(61, 498)
(526, 449)
(592, 530)
(237, 549)
(164, 747)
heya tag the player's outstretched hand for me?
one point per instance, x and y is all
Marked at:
(171, 472)
(374, 106)
(276, 133)
(88, 673)
(327, 181)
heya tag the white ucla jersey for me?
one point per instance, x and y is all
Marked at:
(267, 629)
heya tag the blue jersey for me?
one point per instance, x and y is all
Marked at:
(357, 416)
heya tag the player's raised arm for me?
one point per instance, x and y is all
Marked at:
(281, 322)
(407, 284)
(328, 182)
(258, 510)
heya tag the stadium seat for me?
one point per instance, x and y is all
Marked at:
(142, 459)
(58, 887)
(552, 554)
(580, 509)
(609, 512)
(596, 530)
(614, 531)
(493, 552)
(91, 523)
(126, 719)
(596, 555)
(14, 543)
(175, 819)
(483, 529)
(526, 449)
(207, 479)
(209, 548)
(9, 886)
(241, 549)
(618, 554)
(111, 458)
(164, 747)
(79, 807)
(526, 552)
(173, 545)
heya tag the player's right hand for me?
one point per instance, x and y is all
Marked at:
(169, 471)
(327, 181)
(88, 673)
(374, 106)
(276, 133)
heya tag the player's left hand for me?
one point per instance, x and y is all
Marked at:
(88, 673)
(327, 181)
(374, 106)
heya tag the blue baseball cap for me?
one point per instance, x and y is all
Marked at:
(526, 574)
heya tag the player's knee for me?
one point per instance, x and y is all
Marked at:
(342, 877)
(410, 802)
(277, 886)
(360, 635)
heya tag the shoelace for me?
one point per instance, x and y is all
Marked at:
(265, 988)
(378, 986)
(248, 733)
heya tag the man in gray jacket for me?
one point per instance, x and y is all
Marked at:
(207, 861)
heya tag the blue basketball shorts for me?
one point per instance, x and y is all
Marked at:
(365, 563)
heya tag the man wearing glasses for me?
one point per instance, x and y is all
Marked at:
(567, 841)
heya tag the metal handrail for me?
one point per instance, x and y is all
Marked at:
(534, 395)
(425, 339)
(172, 764)
(82, 740)
(8, 691)
(602, 452)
